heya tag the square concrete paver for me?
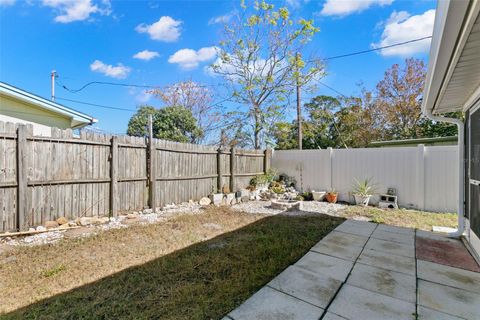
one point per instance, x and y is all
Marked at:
(394, 229)
(357, 227)
(394, 236)
(332, 316)
(429, 314)
(345, 239)
(326, 265)
(388, 261)
(450, 276)
(395, 248)
(314, 288)
(387, 282)
(269, 303)
(347, 252)
(360, 304)
(445, 251)
(449, 300)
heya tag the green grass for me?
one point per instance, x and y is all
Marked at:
(205, 280)
(403, 217)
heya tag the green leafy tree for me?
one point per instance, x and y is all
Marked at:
(260, 62)
(170, 123)
(138, 124)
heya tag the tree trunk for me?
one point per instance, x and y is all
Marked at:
(258, 128)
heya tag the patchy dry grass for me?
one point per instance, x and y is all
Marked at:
(190, 267)
(403, 217)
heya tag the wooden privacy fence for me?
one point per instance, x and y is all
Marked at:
(42, 178)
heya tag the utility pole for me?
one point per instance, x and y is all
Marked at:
(299, 105)
(54, 76)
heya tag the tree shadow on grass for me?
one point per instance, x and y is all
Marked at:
(203, 281)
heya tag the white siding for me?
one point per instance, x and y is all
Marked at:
(425, 177)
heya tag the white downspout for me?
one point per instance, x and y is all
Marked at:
(461, 171)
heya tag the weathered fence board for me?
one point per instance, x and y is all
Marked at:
(90, 174)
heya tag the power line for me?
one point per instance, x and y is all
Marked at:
(108, 83)
(96, 105)
(334, 90)
(375, 49)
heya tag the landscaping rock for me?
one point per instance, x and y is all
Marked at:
(51, 224)
(41, 228)
(62, 220)
(31, 229)
(85, 221)
(148, 211)
(132, 216)
(103, 220)
(205, 201)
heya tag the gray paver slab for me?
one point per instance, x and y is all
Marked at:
(395, 237)
(387, 282)
(388, 261)
(357, 227)
(347, 252)
(314, 288)
(269, 303)
(332, 316)
(450, 276)
(395, 229)
(429, 314)
(453, 301)
(360, 304)
(345, 239)
(395, 248)
(329, 266)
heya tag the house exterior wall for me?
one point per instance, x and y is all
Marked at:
(12, 110)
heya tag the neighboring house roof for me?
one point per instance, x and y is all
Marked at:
(453, 77)
(409, 142)
(78, 119)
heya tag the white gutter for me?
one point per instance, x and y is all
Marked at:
(461, 169)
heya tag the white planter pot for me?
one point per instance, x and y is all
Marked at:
(262, 187)
(216, 198)
(361, 200)
(318, 195)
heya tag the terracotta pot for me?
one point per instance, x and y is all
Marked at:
(331, 197)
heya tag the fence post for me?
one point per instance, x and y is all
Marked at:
(232, 170)
(151, 173)
(22, 187)
(219, 170)
(267, 157)
(421, 176)
(113, 176)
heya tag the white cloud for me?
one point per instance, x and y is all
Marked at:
(119, 71)
(296, 3)
(77, 10)
(165, 29)
(190, 59)
(222, 19)
(345, 7)
(401, 27)
(146, 55)
(7, 3)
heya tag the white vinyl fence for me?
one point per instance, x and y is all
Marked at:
(426, 178)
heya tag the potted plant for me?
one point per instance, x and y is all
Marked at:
(331, 196)
(363, 191)
(318, 195)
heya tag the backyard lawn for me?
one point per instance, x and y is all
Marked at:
(402, 217)
(192, 266)
(182, 269)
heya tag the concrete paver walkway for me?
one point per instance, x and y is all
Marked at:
(362, 270)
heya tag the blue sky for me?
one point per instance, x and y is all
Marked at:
(96, 40)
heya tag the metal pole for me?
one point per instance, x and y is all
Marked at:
(54, 75)
(299, 107)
